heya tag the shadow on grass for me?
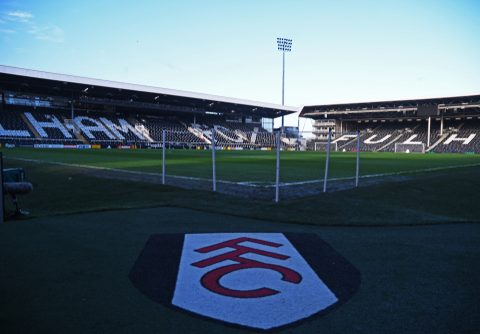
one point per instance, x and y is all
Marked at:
(443, 197)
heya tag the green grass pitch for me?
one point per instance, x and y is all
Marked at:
(251, 166)
(415, 241)
(443, 192)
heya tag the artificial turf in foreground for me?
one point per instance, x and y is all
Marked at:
(69, 274)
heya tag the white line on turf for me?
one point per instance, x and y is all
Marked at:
(119, 170)
(413, 171)
(259, 184)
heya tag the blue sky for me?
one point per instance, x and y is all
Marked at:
(343, 51)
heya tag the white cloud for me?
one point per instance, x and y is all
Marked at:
(24, 21)
(7, 31)
(51, 33)
(19, 16)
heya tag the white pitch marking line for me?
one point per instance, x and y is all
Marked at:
(119, 170)
(380, 174)
(254, 184)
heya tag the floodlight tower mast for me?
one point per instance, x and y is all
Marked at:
(284, 45)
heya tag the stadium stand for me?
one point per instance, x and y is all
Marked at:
(34, 127)
(457, 136)
(463, 136)
(438, 125)
(105, 129)
(176, 134)
(47, 109)
(12, 126)
(40, 108)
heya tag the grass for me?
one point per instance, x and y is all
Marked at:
(65, 270)
(244, 166)
(436, 197)
(69, 274)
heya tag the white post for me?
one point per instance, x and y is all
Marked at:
(163, 156)
(298, 133)
(283, 87)
(441, 125)
(214, 170)
(357, 172)
(2, 201)
(283, 82)
(327, 160)
(277, 175)
(428, 130)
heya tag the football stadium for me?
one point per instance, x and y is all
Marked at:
(133, 208)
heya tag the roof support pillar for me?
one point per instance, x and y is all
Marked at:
(428, 130)
(441, 125)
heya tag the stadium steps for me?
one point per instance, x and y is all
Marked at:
(140, 128)
(390, 142)
(79, 136)
(30, 126)
(220, 132)
(253, 139)
(441, 139)
(199, 134)
(196, 132)
(76, 131)
(354, 140)
(241, 135)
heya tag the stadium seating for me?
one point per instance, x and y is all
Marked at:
(12, 125)
(463, 136)
(458, 136)
(48, 125)
(29, 126)
(176, 134)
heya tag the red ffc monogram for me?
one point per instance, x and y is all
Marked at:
(211, 280)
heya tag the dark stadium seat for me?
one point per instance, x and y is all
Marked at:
(459, 136)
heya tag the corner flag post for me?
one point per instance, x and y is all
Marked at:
(214, 169)
(163, 156)
(327, 160)
(277, 175)
(357, 172)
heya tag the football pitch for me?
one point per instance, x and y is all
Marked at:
(414, 241)
(252, 166)
(428, 188)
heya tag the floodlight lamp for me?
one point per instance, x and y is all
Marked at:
(284, 44)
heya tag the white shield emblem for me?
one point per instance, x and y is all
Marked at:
(257, 280)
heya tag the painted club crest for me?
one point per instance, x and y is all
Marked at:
(257, 280)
